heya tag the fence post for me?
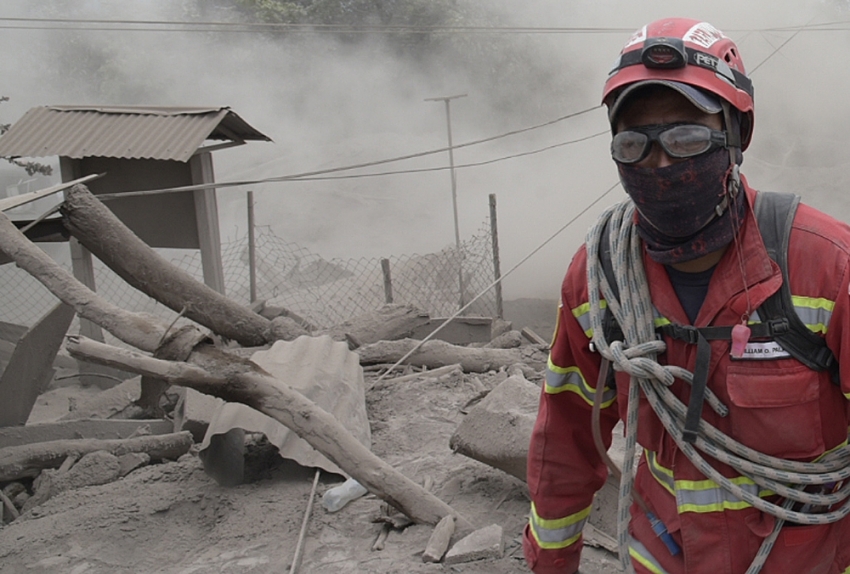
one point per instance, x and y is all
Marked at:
(388, 282)
(252, 262)
(497, 272)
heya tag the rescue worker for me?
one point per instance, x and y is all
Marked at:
(681, 112)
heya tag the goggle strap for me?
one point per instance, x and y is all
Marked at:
(733, 136)
(695, 58)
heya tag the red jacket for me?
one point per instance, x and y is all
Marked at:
(778, 406)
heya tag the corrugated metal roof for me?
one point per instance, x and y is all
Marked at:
(130, 132)
(323, 370)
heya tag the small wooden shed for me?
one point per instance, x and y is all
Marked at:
(140, 148)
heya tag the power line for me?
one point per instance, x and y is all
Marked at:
(304, 175)
(128, 25)
(463, 165)
(493, 284)
(90, 24)
(782, 45)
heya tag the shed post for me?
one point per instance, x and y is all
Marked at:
(82, 265)
(206, 215)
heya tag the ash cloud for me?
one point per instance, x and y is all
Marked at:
(327, 103)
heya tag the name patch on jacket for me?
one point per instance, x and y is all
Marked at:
(764, 351)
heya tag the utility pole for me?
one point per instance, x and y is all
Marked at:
(252, 257)
(447, 100)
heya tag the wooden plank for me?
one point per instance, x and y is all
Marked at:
(8, 203)
(533, 337)
(460, 331)
(31, 366)
(103, 429)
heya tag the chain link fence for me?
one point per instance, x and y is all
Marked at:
(325, 292)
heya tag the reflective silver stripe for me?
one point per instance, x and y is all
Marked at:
(639, 553)
(582, 315)
(814, 312)
(584, 321)
(663, 475)
(708, 496)
(556, 380)
(557, 533)
(560, 379)
(702, 496)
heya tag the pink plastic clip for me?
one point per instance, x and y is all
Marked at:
(740, 338)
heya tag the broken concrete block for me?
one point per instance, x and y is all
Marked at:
(107, 404)
(129, 462)
(499, 326)
(508, 412)
(483, 543)
(286, 329)
(194, 412)
(508, 340)
(439, 541)
(99, 467)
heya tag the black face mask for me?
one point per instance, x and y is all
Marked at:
(676, 205)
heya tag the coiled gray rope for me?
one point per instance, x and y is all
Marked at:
(636, 356)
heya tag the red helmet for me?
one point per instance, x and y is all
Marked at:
(681, 51)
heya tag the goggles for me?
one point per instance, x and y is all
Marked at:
(681, 140)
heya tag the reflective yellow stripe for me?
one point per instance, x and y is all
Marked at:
(559, 532)
(582, 315)
(664, 476)
(702, 496)
(815, 312)
(560, 379)
(557, 325)
(640, 553)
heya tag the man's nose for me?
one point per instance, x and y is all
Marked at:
(657, 157)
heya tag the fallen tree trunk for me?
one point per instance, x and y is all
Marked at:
(434, 353)
(140, 330)
(102, 233)
(387, 323)
(243, 382)
(260, 391)
(29, 460)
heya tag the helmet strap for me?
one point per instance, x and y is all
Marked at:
(733, 145)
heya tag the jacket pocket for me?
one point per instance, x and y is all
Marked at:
(811, 549)
(776, 411)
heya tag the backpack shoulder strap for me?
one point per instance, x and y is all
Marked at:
(775, 215)
(610, 328)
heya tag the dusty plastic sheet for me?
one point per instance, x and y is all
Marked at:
(323, 370)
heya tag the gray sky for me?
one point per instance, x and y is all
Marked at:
(324, 106)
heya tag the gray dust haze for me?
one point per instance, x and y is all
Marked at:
(328, 103)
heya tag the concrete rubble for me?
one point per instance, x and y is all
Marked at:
(484, 543)
(303, 392)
